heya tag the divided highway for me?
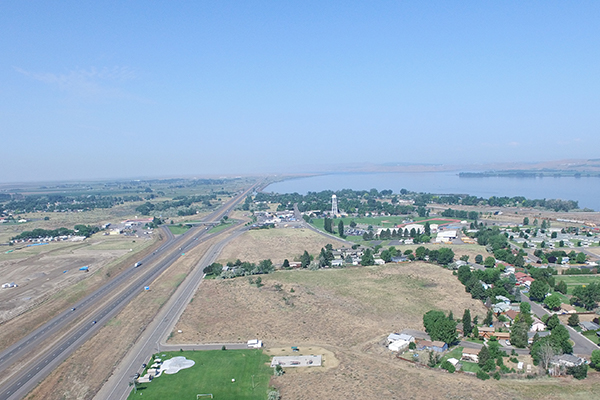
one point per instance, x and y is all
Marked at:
(130, 283)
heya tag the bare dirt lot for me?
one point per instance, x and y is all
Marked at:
(42, 271)
(349, 312)
(275, 244)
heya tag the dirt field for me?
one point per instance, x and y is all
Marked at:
(349, 312)
(276, 244)
(40, 270)
(82, 374)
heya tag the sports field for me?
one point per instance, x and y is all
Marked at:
(212, 373)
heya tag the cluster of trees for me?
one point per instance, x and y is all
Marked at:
(60, 203)
(79, 230)
(472, 281)
(586, 296)
(388, 234)
(443, 256)
(440, 327)
(461, 214)
(184, 203)
(239, 268)
(521, 325)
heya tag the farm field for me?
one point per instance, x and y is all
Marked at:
(212, 373)
(573, 281)
(349, 312)
(275, 244)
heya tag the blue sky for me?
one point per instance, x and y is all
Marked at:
(136, 89)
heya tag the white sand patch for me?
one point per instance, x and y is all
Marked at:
(176, 364)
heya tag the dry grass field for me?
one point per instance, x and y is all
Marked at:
(349, 312)
(276, 244)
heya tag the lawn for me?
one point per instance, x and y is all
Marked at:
(592, 336)
(219, 228)
(212, 373)
(178, 229)
(470, 367)
(455, 353)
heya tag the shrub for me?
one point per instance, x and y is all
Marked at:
(447, 365)
(482, 375)
(496, 375)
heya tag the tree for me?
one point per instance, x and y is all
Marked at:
(466, 321)
(484, 356)
(579, 372)
(560, 338)
(427, 228)
(518, 335)
(445, 256)
(352, 224)
(464, 258)
(305, 259)
(489, 318)
(552, 322)
(525, 221)
(580, 259)
(573, 320)
(542, 352)
(341, 229)
(431, 318)
(479, 259)
(367, 258)
(489, 262)
(553, 301)
(420, 253)
(447, 365)
(595, 360)
(464, 274)
(538, 290)
(475, 331)
(561, 286)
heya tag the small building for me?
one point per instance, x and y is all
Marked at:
(589, 326)
(486, 332)
(439, 346)
(398, 345)
(392, 337)
(566, 360)
(537, 326)
(470, 354)
(338, 262)
(511, 315)
(379, 261)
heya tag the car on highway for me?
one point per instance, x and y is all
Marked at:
(93, 322)
(73, 309)
(137, 264)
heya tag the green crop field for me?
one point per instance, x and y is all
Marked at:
(212, 373)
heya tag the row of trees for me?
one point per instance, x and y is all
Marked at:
(52, 203)
(239, 268)
(38, 233)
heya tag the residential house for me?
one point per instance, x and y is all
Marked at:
(589, 326)
(470, 354)
(392, 337)
(398, 345)
(537, 326)
(379, 261)
(500, 308)
(338, 262)
(511, 315)
(567, 360)
(439, 346)
(486, 332)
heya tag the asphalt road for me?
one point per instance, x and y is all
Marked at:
(45, 361)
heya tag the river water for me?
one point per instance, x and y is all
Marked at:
(585, 190)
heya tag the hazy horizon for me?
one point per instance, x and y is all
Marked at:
(97, 91)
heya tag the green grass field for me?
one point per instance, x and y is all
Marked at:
(470, 367)
(573, 281)
(212, 373)
(177, 229)
(592, 336)
(219, 228)
(454, 353)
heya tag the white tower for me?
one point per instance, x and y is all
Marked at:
(334, 208)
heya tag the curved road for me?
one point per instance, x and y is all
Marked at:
(23, 381)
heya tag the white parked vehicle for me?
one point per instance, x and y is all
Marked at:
(255, 344)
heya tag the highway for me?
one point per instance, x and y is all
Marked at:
(127, 285)
(117, 387)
